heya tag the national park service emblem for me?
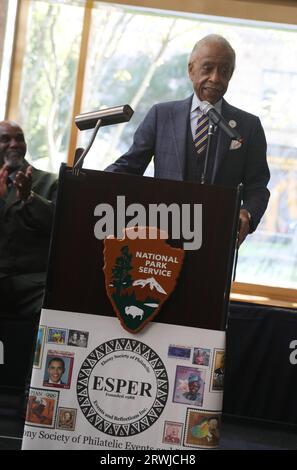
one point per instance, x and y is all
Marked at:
(140, 275)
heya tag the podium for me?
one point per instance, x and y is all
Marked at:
(76, 281)
(151, 370)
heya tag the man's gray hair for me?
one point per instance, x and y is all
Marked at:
(214, 38)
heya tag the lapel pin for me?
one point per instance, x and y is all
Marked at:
(232, 123)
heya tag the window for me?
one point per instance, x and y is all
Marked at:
(49, 71)
(7, 21)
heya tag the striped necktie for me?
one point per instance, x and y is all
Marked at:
(200, 139)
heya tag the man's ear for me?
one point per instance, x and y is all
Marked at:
(190, 69)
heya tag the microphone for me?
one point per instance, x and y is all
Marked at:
(97, 119)
(108, 116)
(217, 119)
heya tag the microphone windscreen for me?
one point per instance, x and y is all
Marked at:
(108, 116)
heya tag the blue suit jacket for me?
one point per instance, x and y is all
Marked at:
(163, 135)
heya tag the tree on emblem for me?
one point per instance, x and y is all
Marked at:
(120, 272)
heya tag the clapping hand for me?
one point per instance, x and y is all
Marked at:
(23, 183)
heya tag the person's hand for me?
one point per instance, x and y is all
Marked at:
(23, 183)
(3, 181)
(244, 225)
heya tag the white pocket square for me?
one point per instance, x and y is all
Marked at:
(235, 145)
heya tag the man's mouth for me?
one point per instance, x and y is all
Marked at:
(14, 159)
(14, 154)
(212, 90)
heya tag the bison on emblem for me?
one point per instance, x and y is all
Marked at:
(134, 311)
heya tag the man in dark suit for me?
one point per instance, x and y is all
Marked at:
(27, 197)
(55, 371)
(168, 133)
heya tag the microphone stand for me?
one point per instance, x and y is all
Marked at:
(79, 163)
(211, 131)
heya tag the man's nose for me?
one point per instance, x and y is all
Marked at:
(13, 143)
(215, 75)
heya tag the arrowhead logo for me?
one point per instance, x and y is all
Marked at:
(140, 275)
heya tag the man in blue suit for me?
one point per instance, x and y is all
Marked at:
(167, 133)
